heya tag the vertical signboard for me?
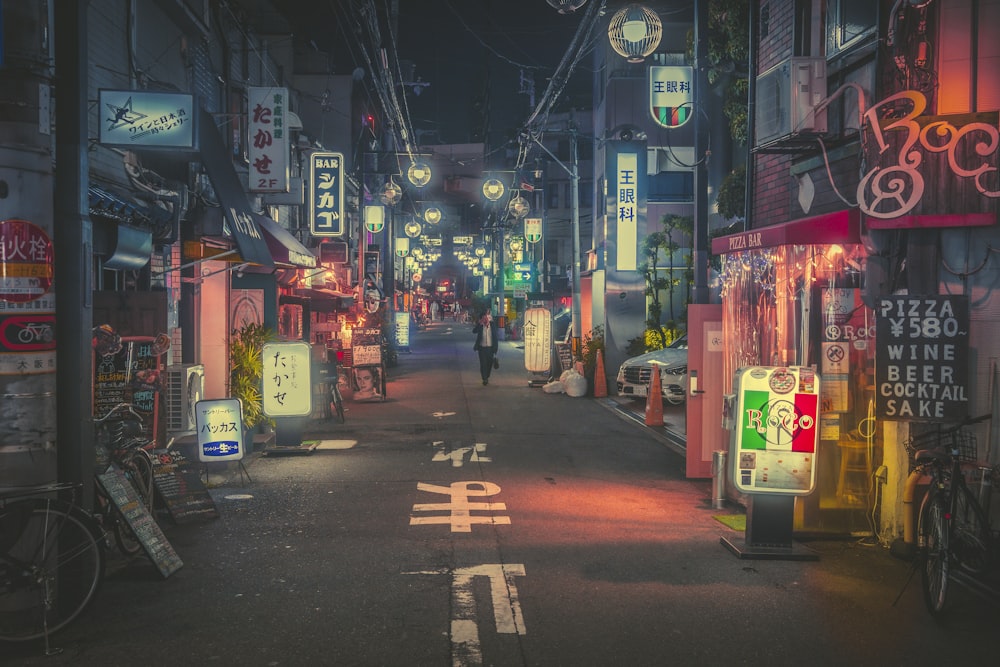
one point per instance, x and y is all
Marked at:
(670, 95)
(533, 229)
(27, 304)
(626, 211)
(287, 388)
(775, 447)
(922, 357)
(326, 194)
(268, 140)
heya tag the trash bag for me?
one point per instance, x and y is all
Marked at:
(576, 384)
(554, 387)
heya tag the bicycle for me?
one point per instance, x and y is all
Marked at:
(121, 445)
(336, 398)
(51, 561)
(953, 532)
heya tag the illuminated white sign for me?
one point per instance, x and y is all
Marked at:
(267, 144)
(141, 119)
(287, 389)
(533, 229)
(670, 95)
(220, 429)
(626, 211)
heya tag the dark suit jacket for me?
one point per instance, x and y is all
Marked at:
(478, 330)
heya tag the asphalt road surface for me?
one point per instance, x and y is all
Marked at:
(461, 524)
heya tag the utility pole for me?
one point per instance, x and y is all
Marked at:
(700, 240)
(28, 380)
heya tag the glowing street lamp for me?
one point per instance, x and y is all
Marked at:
(518, 206)
(634, 32)
(432, 215)
(391, 193)
(493, 189)
(419, 174)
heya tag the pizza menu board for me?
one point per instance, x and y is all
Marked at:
(922, 357)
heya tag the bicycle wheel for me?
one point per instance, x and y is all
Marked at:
(51, 566)
(935, 565)
(338, 405)
(970, 542)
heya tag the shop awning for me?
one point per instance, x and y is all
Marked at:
(838, 227)
(283, 246)
(326, 300)
(241, 220)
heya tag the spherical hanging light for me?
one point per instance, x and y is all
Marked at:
(566, 6)
(518, 206)
(432, 215)
(634, 32)
(412, 229)
(480, 251)
(391, 194)
(419, 174)
(516, 243)
(493, 189)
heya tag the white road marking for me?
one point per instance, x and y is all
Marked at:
(457, 456)
(442, 414)
(466, 650)
(460, 507)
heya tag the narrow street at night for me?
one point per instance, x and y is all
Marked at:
(461, 524)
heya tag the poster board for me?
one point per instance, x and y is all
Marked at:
(537, 340)
(155, 543)
(777, 427)
(178, 485)
(133, 375)
(922, 357)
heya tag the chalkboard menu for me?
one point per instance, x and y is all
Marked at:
(565, 351)
(133, 375)
(178, 484)
(922, 357)
(124, 496)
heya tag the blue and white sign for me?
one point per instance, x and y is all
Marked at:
(220, 429)
(671, 95)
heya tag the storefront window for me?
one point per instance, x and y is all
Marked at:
(801, 305)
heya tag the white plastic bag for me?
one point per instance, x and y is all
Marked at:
(575, 384)
(554, 387)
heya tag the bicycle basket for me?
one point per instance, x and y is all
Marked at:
(964, 440)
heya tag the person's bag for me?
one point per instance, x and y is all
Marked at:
(496, 363)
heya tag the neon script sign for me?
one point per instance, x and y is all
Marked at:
(893, 191)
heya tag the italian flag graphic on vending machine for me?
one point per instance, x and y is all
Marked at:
(777, 433)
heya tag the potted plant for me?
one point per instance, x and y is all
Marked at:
(246, 372)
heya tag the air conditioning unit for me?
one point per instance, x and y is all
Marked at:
(787, 96)
(185, 387)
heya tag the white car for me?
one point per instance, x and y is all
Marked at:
(672, 361)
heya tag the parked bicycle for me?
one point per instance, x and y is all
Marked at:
(121, 445)
(953, 529)
(51, 560)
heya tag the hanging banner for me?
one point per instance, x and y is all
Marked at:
(326, 194)
(402, 246)
(267, 144)
(533, 229)
(374, 219)
(776, 436)
(670, 95)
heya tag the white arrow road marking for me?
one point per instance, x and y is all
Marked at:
(466, 650)
(442, 414)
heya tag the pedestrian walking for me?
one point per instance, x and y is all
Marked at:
(486, 345)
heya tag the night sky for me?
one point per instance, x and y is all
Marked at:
(472, 52)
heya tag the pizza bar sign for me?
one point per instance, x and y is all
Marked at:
(921, 360)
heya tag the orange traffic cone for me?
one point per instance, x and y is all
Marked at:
(654, 400)
(600, 379)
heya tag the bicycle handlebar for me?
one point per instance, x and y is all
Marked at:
(124, 407)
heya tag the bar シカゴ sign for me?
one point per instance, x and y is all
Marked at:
(922, 357)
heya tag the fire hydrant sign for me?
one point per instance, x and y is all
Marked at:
(776, 439)
(922, 358)
(287, 384)
(26, 261)
(220, 429)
